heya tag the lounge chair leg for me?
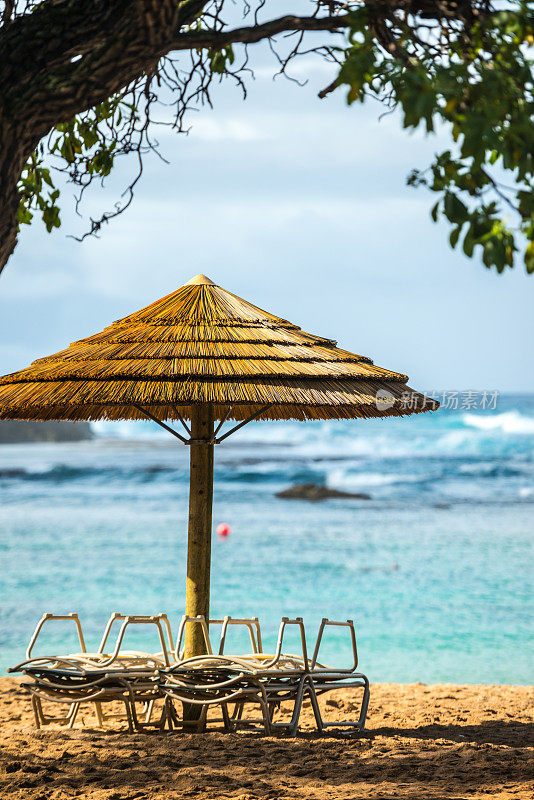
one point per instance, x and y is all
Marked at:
(293, 726)
(173, 716)
(358, 725)
(266, 716)
(128, 708)
(315, 706)
(228, 725)
(73, 713)
(365, 705)
(149, 708)
(133, 712)
(167, 714)
(37, 711)
(161, 722)
(99, 714)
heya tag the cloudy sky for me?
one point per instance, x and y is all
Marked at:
(300, 206)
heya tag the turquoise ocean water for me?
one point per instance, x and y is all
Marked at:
(436, 568)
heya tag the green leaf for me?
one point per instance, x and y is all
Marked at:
(455, 209)
(24, 215)
(455, 235)
(479, 92)
(468, 244)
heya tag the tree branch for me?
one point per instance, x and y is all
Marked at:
(61, 58)
(255, 33)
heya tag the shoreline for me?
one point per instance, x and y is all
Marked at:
(439, 741)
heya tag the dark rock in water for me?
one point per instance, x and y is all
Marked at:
(393, 568)
(16, 431)
(12, 473)
(314, 492)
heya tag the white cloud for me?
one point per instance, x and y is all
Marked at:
(213, 129)
(184, 237)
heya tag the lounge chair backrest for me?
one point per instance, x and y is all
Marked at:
(54, 617)
(251, 623)
(199, 620)
(160, 621)
(325, 623)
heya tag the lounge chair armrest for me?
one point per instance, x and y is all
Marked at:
(278, 653)
(186, 620)
(160, 621)
(251, 623)
(325, 622)
(47, 617)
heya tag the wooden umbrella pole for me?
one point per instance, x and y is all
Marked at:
(197, 598)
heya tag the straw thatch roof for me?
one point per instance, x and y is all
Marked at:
(203, 344)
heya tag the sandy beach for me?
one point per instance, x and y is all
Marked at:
(442, 741)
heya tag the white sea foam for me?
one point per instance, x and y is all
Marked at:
(437, 436)
(454, 441)
(507, 422)
(342, 479)
(40, 467)
(126, 429)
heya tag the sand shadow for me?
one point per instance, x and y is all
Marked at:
(426, 760)
(512, 734)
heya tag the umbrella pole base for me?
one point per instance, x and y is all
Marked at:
(194, 718)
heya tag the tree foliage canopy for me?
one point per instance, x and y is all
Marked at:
(81, 83)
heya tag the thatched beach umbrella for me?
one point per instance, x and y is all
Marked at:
(202, 355)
